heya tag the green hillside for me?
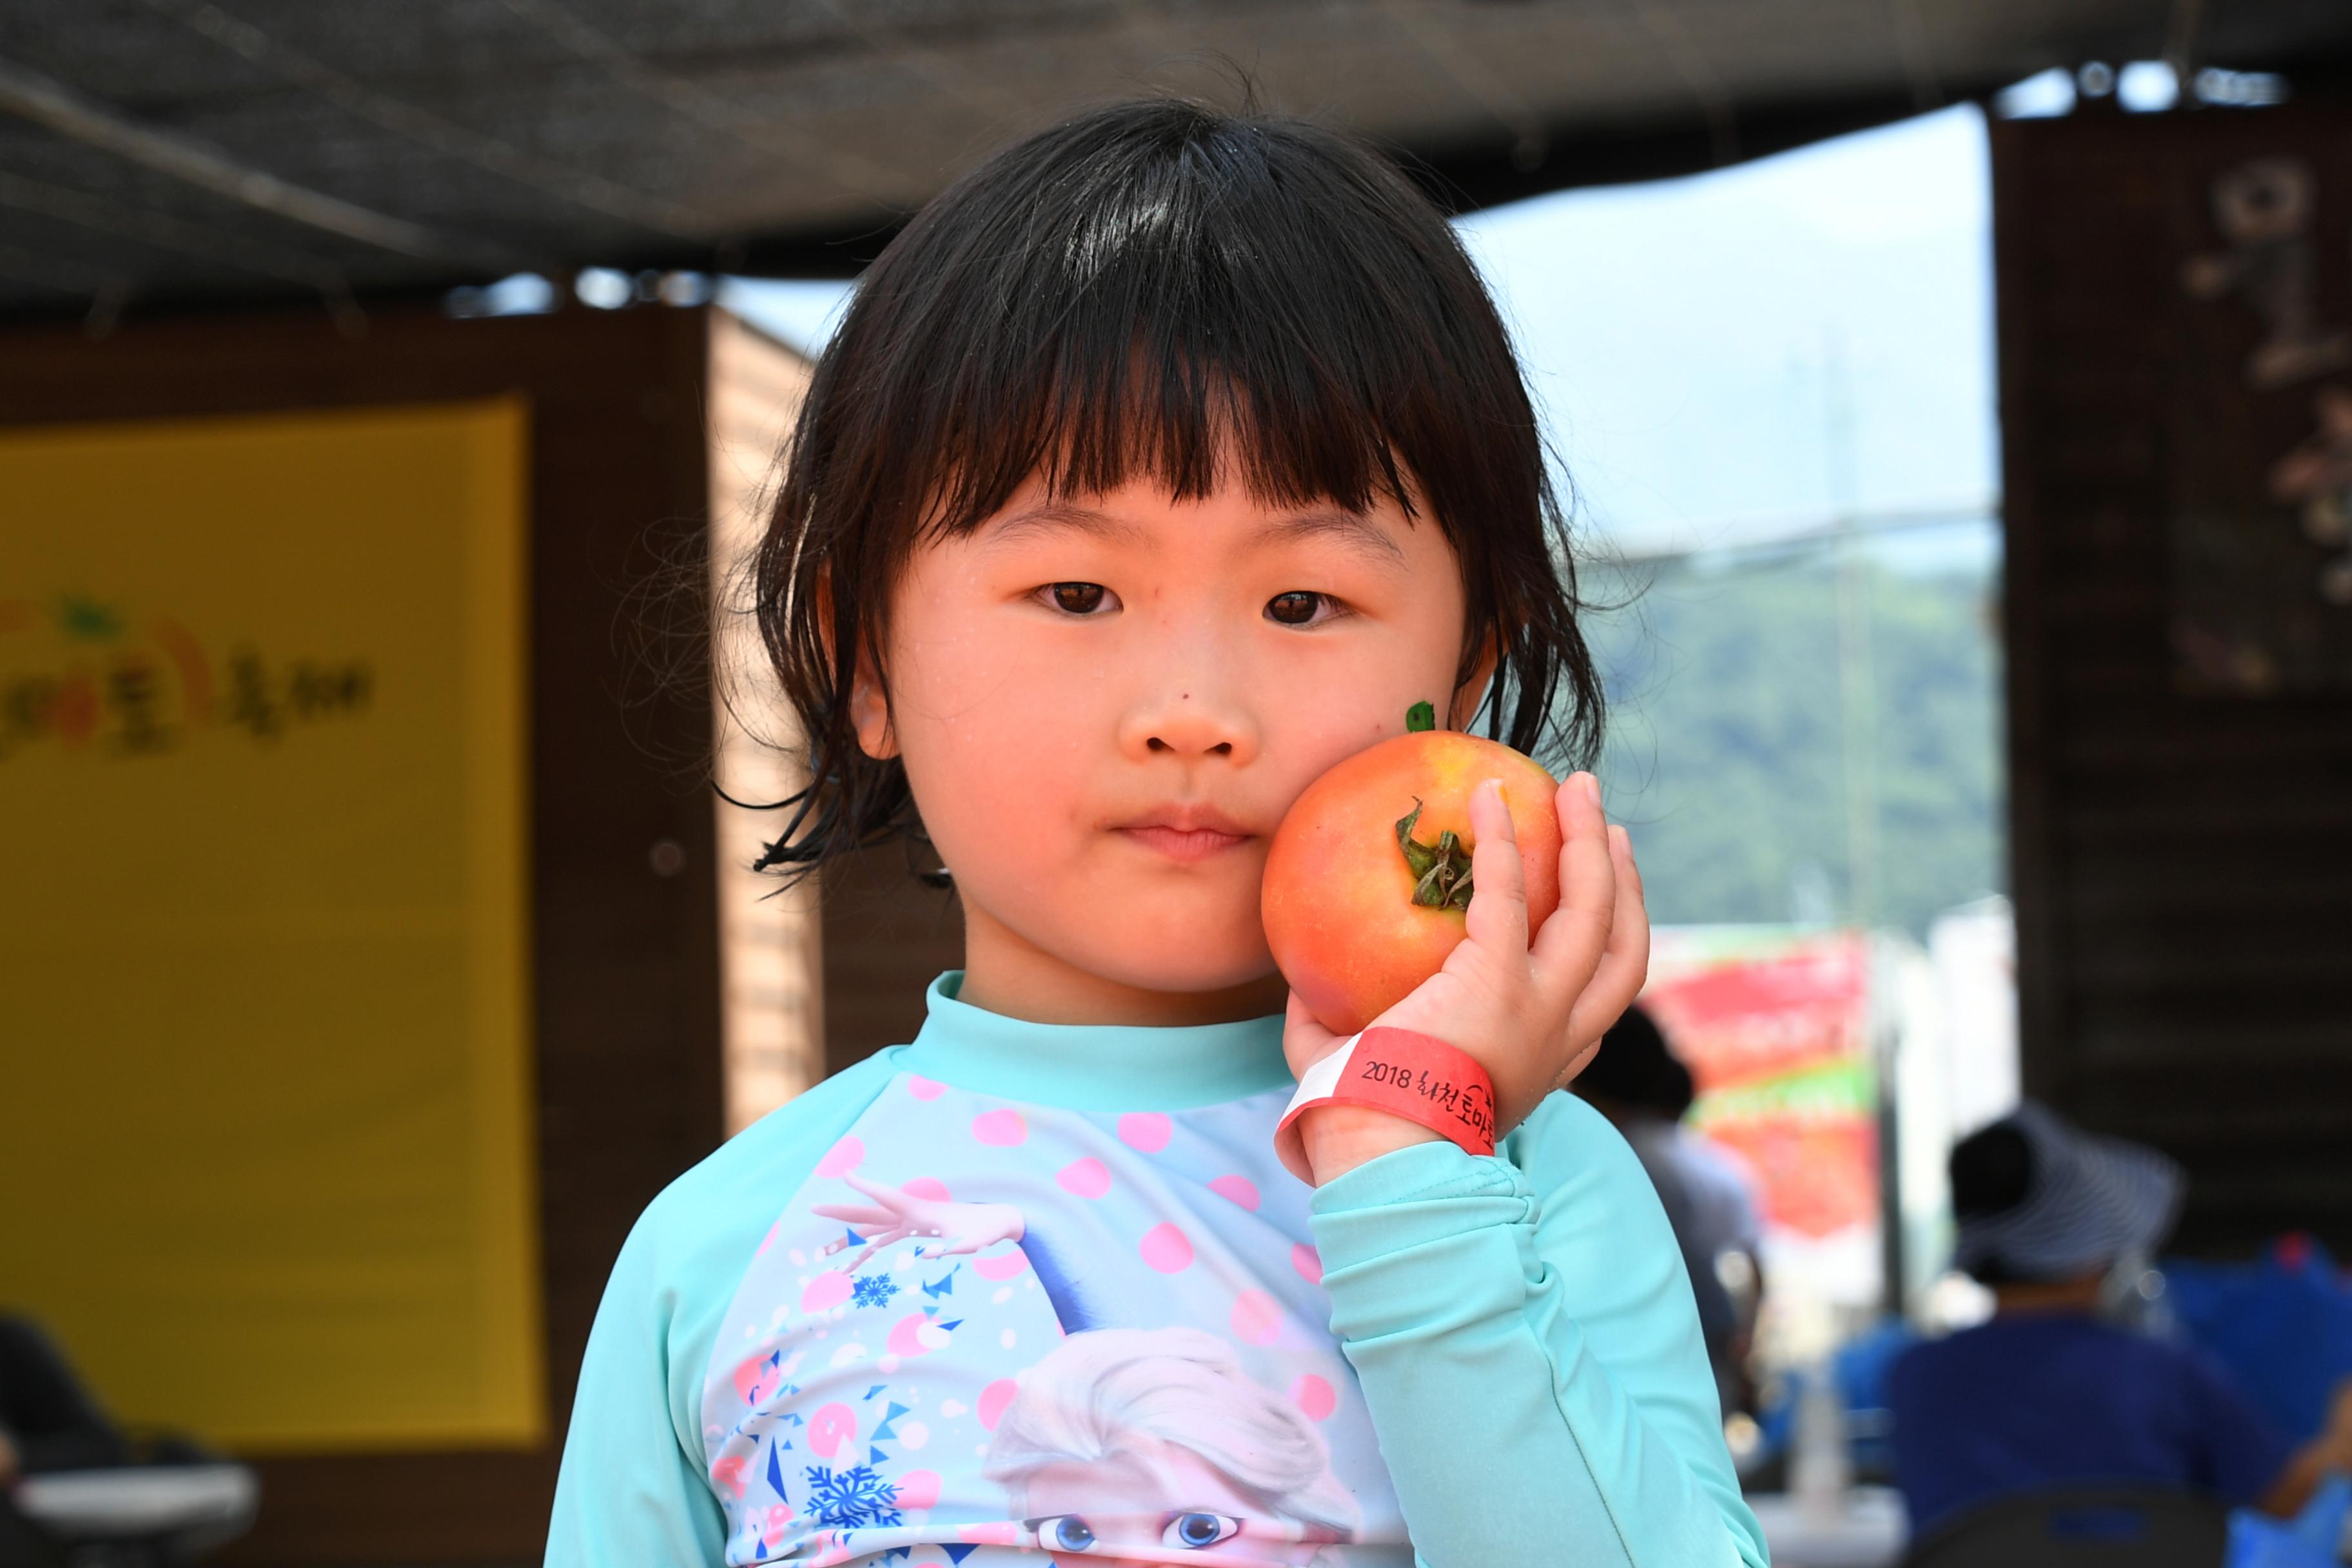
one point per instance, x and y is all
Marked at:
(1723, 751)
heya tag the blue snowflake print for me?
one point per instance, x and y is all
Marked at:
(872, 1290)
(853, 1499)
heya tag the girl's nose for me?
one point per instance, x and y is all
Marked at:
(1188, 722)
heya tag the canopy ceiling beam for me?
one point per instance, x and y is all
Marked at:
(31, 96)
(426, 128)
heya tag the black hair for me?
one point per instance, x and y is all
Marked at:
(1992, 1173)
(1635, 1068)
(1158, 287)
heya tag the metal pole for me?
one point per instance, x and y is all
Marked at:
(1858, 742)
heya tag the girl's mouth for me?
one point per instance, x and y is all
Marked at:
(1185, 832)
(1185, 844)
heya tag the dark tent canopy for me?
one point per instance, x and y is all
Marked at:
(162, 151)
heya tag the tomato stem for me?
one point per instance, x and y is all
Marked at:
(1419, 717)
(1442, 873)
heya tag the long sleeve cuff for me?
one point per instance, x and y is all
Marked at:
(1531, 1358)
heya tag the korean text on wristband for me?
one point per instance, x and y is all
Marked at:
(1404, 1072)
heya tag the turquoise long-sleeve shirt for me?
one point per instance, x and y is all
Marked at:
(1018, 1291)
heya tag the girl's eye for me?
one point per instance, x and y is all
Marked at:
(1198, 1531)
(1066, 1533)
(1299, 608)
(1080, 598)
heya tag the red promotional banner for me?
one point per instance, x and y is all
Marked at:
(1774, 1026)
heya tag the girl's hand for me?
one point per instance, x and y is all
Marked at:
(894, 1215)
(1531, 1014)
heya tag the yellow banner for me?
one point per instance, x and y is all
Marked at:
(266, 1147)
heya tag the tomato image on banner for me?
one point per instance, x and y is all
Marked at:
(1774, 1025)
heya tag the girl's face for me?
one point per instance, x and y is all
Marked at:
(1104, 704)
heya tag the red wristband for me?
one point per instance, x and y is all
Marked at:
(1405, 1073)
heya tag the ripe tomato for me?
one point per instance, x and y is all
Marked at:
(1339, 895)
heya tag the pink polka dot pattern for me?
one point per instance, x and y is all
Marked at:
(923, 1088)
(1167, 1248)
(1315, 1396)
(1146, 1130)
(842, 1158)
(755, 1379)
(915, 1336)
(919, 1488)
(994, 1399)
(826, 1292)
(832, 1428)
(1258, 1318)
(1309, 1262)
(999, 1129)
(926, 1187)
(1004, 1265)
(1238, 1190)
(1087, 1178)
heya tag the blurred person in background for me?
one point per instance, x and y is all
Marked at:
(1643, 1088)
(47, 1422)
(2059, 1225)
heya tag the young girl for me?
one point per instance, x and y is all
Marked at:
(1161, 463)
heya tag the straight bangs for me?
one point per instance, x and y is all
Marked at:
(1160, 291)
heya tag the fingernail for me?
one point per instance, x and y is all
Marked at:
(1510, 832)
(1592, 788)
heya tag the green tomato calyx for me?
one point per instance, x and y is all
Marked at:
(1441, 873)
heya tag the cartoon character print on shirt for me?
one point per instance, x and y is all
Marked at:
(1125, 1438)
(1051, 1334)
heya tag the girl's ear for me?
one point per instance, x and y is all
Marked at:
(869, 700)
(869, 710)
(1472, 692)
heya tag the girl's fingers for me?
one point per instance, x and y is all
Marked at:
(887, 1197)
(855, 1214)
(872, 1246)
(1498, 917)
(1620, 854)
(1578, 1063)
(1625, 961)
(1304, 1041)
(1570, 944)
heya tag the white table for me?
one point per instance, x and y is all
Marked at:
(1869, 1530)
(210, 1502)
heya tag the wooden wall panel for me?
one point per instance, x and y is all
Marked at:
(771, 940)
(2182, 857)
(626, 963)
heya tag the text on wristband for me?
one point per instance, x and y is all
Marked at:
(1471, 1104)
